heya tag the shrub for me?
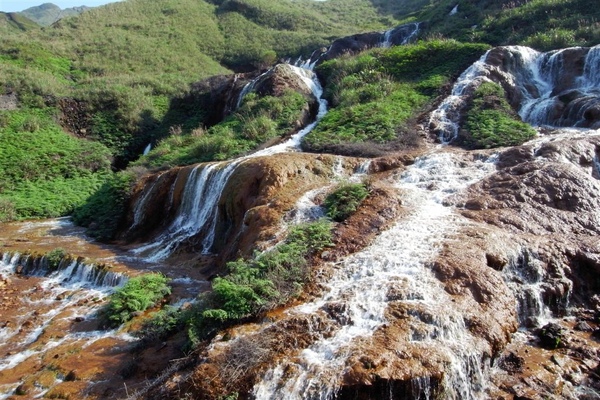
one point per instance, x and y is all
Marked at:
(263, 282)
(138, 294)
(345, 200)
(54, 258)
(491, 122)
(160, 325)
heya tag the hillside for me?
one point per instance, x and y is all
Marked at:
(114, 74)
(46, 14)
(15, 22)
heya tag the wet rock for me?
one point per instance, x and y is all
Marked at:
(23, 389)
(512, 363)
(72, 376)
(583, 326)
(551, 336)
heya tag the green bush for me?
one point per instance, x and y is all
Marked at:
(105, 209)
(138, 294)
(491, 122)
(345, 200)
(160, 325)
(54, 257)
(263, 282)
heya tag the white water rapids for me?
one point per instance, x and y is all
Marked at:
(362, 281)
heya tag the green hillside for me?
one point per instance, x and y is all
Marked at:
(14, 22)
(109, 75)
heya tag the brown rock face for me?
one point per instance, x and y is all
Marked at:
(553, 189)
(249, 210)
(544, 199)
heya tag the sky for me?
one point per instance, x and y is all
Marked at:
(20, 5)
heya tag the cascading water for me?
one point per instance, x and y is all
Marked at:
(444, 120)
(249, 87)
(524, 276)
(197, 213)
(74, 288)
(549, 98)
(363, 280)
(412, 30)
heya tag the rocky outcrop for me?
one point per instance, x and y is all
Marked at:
(544, 196)
(255, 198)
(360, 42)
(9, 101)
(540, 190)
(552, 88)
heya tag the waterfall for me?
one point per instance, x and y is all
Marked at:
(54, 297)
(197, 211)
(524, 276)
(387, 35)
(147, 149)
(362, 282)
(539, 78)
(249, 87)
(454, 10)
(590, 81)
(293, 143)
(72, 274)
(444, 120)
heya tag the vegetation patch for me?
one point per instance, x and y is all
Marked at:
(251, 286)
(491, 122)
(138, 294)
(258, 120)
(345, 200)
(375, 94)
(105, 209)
(44, 172)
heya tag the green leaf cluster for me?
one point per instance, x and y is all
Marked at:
(138, 294)
(345, 200)
(263, 282)
(491, 122)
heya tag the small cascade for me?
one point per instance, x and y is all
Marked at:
(524, 276)
(444, 120)
(197, 211)
(249, 87)
(140, 204)
(553, 90)
(411, 30)
(387, 38)
(293, 143)
(70, 273)
(454, 10)
(147, 149)
(590, 81)
(52, 297)
(363, 279)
